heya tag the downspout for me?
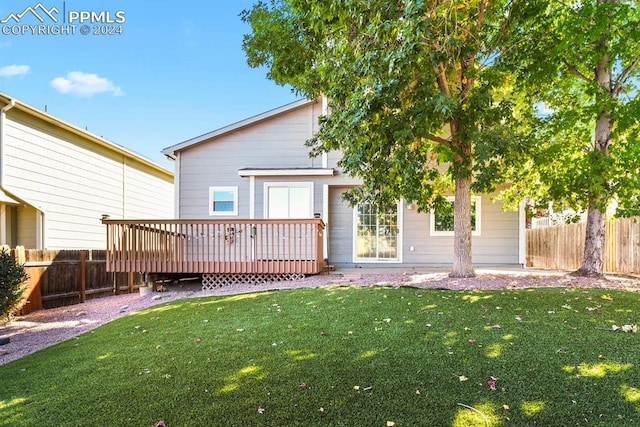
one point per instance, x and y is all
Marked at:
(176, 186)
(3, 225)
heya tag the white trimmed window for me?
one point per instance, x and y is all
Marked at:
(223, 201)
(442, 219)
(377, 235)
(284, 200)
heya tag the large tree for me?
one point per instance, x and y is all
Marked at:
(579, 63)
(417, 107)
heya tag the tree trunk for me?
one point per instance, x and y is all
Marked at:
(594, 242)
(593, 262)
(462, 167)
(462, 261)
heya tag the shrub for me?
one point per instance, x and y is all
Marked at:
(12, 279)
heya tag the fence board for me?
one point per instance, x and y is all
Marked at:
(561, 247)
(64, 277)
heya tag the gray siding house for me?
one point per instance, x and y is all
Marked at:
(259, 168)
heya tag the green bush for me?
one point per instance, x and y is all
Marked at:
(12, 279)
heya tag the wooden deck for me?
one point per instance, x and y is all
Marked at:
(215, 246)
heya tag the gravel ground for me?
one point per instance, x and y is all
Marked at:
(44, 328)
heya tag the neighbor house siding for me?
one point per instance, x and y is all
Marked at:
(146, 196)
(26, 230)
(73, 182)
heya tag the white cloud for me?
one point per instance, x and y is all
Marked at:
(85, 84)
(14, 70)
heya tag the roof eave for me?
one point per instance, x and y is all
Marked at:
(84, 134)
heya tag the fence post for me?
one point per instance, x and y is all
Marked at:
(83, 276)
(32, 293)
(611, 240)
(20, 255)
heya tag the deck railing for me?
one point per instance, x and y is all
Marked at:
(215, 246)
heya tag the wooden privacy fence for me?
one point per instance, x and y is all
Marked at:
(562, 247)
(65, 277)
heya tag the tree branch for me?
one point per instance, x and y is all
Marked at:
(466, 83)
(438, 139)
(469, 61)
(443, 84)
(622, 78)
(506, 23)
(577, 72)
(481, 9)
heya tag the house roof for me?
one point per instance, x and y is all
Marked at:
(98, 140)
(174, 149)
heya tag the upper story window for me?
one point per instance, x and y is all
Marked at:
(284, 200)
(223, 200)
(442, 218)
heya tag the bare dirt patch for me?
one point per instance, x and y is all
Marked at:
(44, 328)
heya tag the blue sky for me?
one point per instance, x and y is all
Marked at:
(176, 71)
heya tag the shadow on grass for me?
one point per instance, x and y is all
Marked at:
(343, 356)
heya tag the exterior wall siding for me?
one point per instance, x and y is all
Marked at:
(340, 228)
(74, 182)
(497, 244)
(277, 143)
(146, 196)
(280, 143)
(26, 230)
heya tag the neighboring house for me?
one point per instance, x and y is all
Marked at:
(57, 181)
(260, 168)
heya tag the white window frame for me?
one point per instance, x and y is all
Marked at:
(399, 240)
(476, 232)
(233, 190)
(300, 184)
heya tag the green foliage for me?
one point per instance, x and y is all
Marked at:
(443, 216)
(415, 101)
(417, 105)
(561, 49)
(12, 279)
(353, 356)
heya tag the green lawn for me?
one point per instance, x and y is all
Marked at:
(343, 356)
